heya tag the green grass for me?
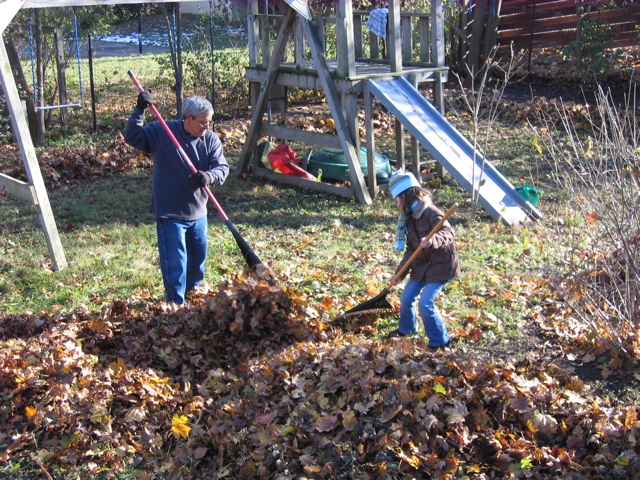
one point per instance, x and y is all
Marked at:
(332, 249)
(329, 248)
(105, 235)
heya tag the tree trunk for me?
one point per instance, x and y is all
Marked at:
(474, 62)
(579, 32)
(480, 32)
(490, 40)
(23, 85)
(176, 53)
(461, 31)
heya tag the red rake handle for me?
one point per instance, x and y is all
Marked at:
(181, 152)
(433, 231)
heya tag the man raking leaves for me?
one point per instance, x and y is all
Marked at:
(179, 195)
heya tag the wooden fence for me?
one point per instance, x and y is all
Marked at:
(536, 24)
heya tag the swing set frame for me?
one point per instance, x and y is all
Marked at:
(61, 67)
(34, 191)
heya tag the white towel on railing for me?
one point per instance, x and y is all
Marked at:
(377, 21)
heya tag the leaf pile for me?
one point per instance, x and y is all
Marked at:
(71, 167)
(518, 110)
(248, 383)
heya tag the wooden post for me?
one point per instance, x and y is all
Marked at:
(394, 38)
(263, 97)
(395, 54)
(357, 36)
(27, 151)
(253, 32)
(406, 27)
(346, 141)
(438, 60)
(370, 140)
(374, 45)
(424, 33)
(438, 53)
(346, 52)
(415, 145)
(299, 43)
(265, 40)
(345, 47)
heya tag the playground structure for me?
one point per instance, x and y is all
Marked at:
(414, 55)
(413, 48)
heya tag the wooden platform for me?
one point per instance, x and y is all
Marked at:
(291, 75)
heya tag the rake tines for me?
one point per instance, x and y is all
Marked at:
(378, 304)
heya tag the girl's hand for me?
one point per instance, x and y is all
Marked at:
(424, 243)
(394, 281)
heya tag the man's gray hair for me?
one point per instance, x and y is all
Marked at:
(195, 106)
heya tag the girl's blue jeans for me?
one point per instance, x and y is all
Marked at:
(433, 323)
(183, 251)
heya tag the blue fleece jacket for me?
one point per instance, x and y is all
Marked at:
(175, 194)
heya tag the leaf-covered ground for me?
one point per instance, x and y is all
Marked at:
(247, 383)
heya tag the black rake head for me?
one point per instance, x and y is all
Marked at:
(377, 305)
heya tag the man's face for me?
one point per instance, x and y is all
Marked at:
(197, 125)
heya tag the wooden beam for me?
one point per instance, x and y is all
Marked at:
(348, 147)
(28, 154)
(302, 182)
(18, 189)
(8, 10)
(263, 98)
(85, 3)
(303, 136)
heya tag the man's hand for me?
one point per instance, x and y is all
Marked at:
(201, 179)
(145, 99)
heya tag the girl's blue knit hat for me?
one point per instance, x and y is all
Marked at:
(401, 181)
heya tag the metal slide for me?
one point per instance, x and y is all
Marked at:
(454, 152)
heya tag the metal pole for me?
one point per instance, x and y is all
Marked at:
(139, 29)
(93, 89)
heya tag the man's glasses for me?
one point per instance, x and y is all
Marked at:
(203, 124)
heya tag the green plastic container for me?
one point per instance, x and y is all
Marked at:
(334, 165)
(529, 193)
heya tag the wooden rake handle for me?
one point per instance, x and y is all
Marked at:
(433, 231)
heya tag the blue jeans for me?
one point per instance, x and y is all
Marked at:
(183, 250)
(434, 325)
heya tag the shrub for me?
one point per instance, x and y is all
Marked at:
(599, 168)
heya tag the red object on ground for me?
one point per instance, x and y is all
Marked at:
(284, 159)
